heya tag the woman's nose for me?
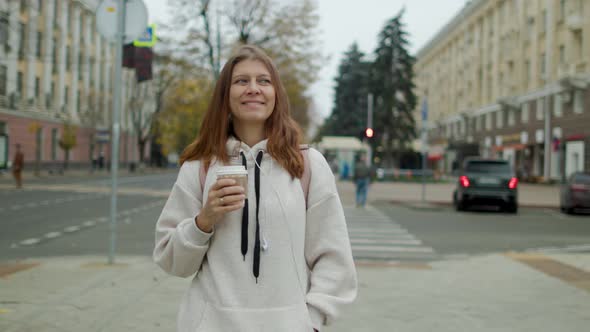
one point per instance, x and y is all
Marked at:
(253, 87)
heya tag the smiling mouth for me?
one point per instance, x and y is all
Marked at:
(252, 103)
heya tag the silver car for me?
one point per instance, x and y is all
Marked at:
(575, 193)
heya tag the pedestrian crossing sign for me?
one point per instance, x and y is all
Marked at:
(148, 38)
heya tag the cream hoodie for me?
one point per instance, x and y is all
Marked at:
(306, 271)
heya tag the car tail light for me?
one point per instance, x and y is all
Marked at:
(579, 187)
(513, 183)
(464, 181)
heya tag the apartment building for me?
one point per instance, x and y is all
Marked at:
(510, 79)
(56, 68)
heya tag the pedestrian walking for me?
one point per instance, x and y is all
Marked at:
(18, 163)
(362, 179)
(272, 255)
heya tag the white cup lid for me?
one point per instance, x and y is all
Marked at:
(232, 170)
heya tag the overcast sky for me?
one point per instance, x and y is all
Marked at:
(343, 22)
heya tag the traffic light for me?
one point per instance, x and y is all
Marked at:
(369, 132)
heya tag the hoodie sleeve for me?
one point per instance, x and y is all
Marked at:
(180, 244)
(333, 281)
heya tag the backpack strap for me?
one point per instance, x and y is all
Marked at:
(305, 178)
(202, 176)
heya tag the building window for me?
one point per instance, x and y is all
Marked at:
(539, 109)
(527, 72)
(54, 143)
(68, 61)
(37, 86)
(39, 44)
(3, 76)
(578, 102)
(78, 99)
(19, 83)
(562, 55)
(511, 117)
(562, 10)
(66, 95)
(557, 105)
(477, 123)
(543, 65)
(23, 6)
(524, 113)
(4, 27)
(22, 41)
(54, 57)
(488, 121)
(499, 119)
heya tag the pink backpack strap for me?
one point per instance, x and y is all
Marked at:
(306, 177)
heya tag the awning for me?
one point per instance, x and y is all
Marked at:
(515, 147)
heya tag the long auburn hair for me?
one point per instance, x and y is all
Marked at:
(283, 133)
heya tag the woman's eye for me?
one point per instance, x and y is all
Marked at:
(242, 81)
(264, 81)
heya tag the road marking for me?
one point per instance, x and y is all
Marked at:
(32, 205)
(88, 223)
(102, 219)
(52, 235)
(16, 207)
(30, 242)
(71, 229)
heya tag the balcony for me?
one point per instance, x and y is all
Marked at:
(575, 21)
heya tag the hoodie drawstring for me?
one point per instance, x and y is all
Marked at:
(244, 244)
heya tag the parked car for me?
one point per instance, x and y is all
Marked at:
(486, 181)
(575, 193)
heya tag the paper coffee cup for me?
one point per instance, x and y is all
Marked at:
(237, 173)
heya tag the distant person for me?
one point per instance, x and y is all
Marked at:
(362, 178)
(345, 171)
(266, 257)
(18, 163)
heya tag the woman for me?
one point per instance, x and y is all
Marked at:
(277, 261)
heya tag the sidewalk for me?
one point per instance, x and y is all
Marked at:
(486, 293)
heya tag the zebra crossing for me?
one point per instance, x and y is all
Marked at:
(375, 237)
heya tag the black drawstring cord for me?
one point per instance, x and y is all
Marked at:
(256, 264)
(244, 243)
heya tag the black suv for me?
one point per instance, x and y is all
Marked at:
(486, 181)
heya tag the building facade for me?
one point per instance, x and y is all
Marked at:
(510, 79)
(55, 68)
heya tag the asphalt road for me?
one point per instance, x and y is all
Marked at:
(71, 216)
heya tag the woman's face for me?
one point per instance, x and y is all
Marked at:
(252, 94)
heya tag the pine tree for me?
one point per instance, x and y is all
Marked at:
(392, 84)
(349, 115)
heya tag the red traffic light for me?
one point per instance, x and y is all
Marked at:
(369, 132)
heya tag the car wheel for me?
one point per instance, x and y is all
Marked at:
(569, 210)
(512, 208)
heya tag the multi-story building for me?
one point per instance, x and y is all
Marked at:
(510, 79)
(56, 68)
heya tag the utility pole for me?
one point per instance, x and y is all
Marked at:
(547, 111)
(370, 125)
(424, 143)
(120, 40)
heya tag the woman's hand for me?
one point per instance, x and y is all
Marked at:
(224, 196)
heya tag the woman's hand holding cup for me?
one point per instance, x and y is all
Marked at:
(226, 195)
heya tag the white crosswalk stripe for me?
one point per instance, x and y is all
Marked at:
(375, 237)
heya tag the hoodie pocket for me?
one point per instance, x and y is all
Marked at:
(293, 318)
